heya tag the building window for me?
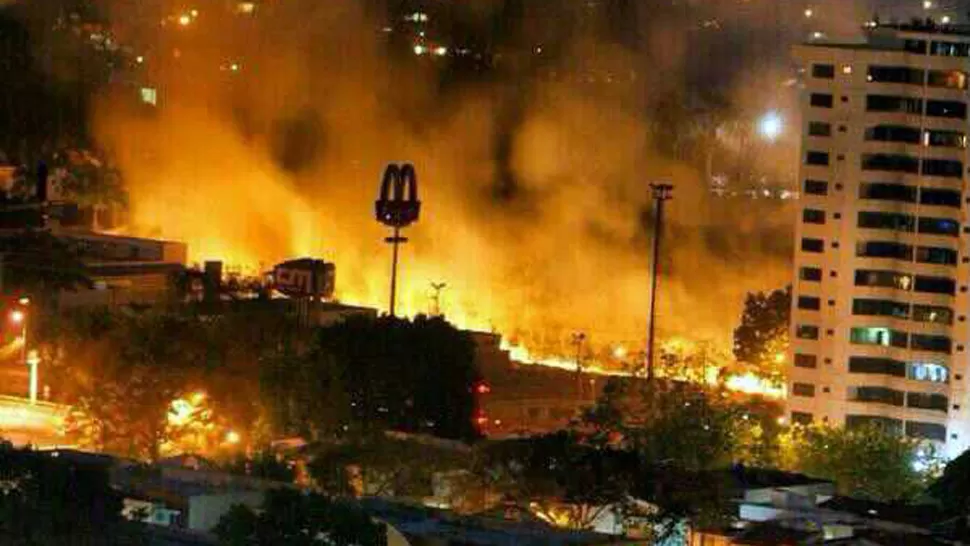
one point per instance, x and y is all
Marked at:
(946, 168)
(883, 279)
(895, 74)
(897, 163)
(945, 139)
(880, 308)
(889, 424)
(927, 401)
(939, 226)
(805, 361)
(823, 71)
(950, 79)
(821, 100)
(877, 395)
(810, 303)
(812, 245)
(931, 372)
(801, 418)
(927, 342)
(819, 129)
(950, 49)
(925, 431)
(946, 109)
(884, 337)
(932, 313)
(817, 158)
(803, 389)
(940, 197)
(883, 191)
(804, 331)
(813, 216)
(811, 274)
(892, 104)
(816, 187)
(886, 220)
(874, 365)
(884, 249)
(936, 255)
(935, 285)
(893, 133)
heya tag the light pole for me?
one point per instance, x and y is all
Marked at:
(661, 193)
(437, 287)
(29, 358)
(578, 339)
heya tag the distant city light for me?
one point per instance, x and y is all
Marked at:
(809, 12)
(234, 67)
(817, 35)
(194, 13)
(246, 7)
(441, 51)
(927, 4)
(619, 352)
(420, 49)
(232, 437)
(770, 126)
(24, 301)
(139, 59)
(945, 20)
(184, 20)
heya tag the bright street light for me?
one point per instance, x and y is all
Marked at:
(17, 316)
(770, 126)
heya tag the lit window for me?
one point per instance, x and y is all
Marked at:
(149, 95)
(929, 371)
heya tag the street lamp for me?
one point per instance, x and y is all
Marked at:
(29, 358)
(770, 126)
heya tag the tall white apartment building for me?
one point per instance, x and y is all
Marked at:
(882, 262)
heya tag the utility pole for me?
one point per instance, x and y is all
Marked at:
(578, 339)
(661, 193)
(437, 287)
(397, 207)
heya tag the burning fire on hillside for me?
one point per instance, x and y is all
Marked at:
(535, 189)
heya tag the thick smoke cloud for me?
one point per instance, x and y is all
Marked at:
(535, 184)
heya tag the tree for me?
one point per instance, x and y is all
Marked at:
(383, 465)
(557, 478)
(263, 464)
(148, 361)
(762, 337)
(364, 376)
(300, 519)
(952, 489)
(47, 500)
(869, 462)
(669, 422)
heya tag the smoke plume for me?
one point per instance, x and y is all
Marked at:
(534, 175)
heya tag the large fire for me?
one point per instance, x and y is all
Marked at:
(534, 190)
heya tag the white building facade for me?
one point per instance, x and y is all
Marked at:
(880, 290)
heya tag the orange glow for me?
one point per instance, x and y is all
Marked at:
(200, 173)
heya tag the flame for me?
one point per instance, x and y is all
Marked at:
(746, 383)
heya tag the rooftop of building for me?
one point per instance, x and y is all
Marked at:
(424, 523)
(746, 478)
(895, 36)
